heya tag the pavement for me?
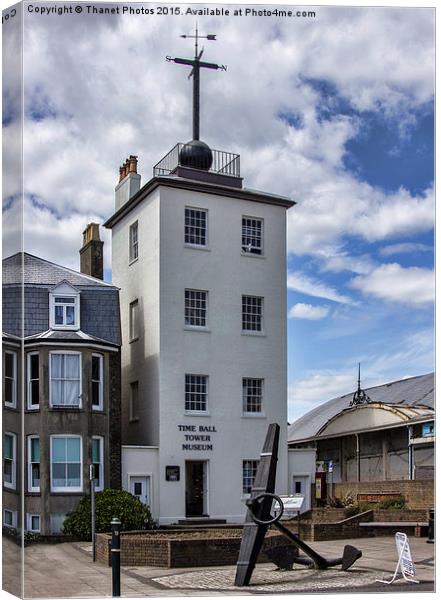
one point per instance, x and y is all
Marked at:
(66, 570)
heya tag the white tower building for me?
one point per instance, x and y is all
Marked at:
(201, 264)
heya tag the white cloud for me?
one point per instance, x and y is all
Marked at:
(405, 248)
(338, 205)
(406, 356)
(299, 282)
(109, 93)
(316, 387)
(49, 236)
(308, 311)
(338, 261)
(392, 282)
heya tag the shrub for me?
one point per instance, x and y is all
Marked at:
(393, 503)
(355, 509)
(109, 503)
(336, 502)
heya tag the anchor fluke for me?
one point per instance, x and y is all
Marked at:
(350, 555)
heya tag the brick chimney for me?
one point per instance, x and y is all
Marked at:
(129, 181)
(91, 254)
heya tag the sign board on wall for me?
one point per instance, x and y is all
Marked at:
(172, 473)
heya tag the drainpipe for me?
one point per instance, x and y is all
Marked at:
(410, 451)
(357, 439)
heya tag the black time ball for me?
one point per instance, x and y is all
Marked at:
(197, 155)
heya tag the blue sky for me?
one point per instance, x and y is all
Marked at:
(335, 112)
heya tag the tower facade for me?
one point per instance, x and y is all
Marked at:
(201, 265)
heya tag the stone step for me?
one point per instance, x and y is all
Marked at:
(191, 522)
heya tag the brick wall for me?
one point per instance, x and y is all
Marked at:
(157, 549)
(418, 494)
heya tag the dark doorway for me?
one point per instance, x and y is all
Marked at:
(195, 488)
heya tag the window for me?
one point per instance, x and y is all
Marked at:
(33, 463)
(33, 523)
(252, 394)
(249, 469)
(66, 463)
(252, 239)
(195, 308)
(9, 460)
(65, 375)
(196, 393)
(196, 227)
(64, 306)
(133, 242)
(134, 321)
(252, 313)
(9, 518)
(97, 382)
(428, 429)
(10, 376)
(133, 408)
(33, 380)
(297, 487)
(98, 462)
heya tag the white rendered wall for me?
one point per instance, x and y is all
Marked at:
(139, 280)
(142, 461)
(166, 351)
(223, 353)
(302, 463)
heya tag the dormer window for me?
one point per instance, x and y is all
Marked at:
(64, 307)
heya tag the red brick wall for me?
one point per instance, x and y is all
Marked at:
(172, 549)
(418, 494)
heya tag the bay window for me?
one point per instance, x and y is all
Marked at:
(65, 379)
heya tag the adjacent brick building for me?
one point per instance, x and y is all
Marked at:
(61, 386)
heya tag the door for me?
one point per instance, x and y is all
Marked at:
(140, 487)
(302, 485)
(195, 488)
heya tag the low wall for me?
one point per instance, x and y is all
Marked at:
(418, 494)
(170, 549)
(314, 529)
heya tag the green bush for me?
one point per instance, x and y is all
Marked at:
(355, 509)
(393, 503)
(109, 503)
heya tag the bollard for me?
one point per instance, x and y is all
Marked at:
(116, 557)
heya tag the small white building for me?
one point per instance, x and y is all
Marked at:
(201, 265)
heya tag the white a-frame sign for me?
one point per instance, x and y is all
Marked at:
(405, 562)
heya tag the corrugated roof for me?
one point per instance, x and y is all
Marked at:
(415, 391)
(40, 271)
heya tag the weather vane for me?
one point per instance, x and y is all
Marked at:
(197, 64)
(360, 396)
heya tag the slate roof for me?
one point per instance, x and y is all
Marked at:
(99, 300)
(413, 392)
(40, 271)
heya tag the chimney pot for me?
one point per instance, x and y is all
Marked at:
(129, 181)
(133, 164)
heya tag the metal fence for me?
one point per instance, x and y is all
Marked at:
(224, 163)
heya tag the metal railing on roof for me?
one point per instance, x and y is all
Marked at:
(224, 163)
